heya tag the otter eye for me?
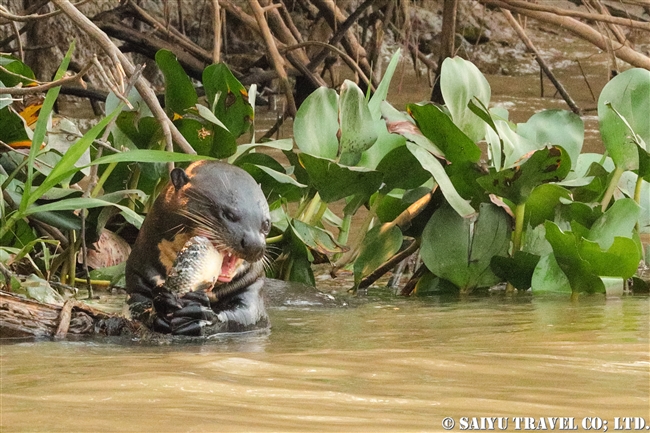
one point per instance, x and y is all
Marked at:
(266, 226)
(230, 215)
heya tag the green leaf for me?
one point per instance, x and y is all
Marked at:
(12, 127)
(316, 125)
(439, 128)
(315, 237)
(380, 244)
(374, 105)
(542, 202)
(555, 127)
(275, 184)
(619, 220)
(284, 144)
(334, 181)
(584, 261)
(460, 82)
(228, 99)
(517, 270)
(14, 65)
(516, 184)
(148, 155)
(433, 166)
(65, 166)
(357, 126)
(628, 94)
(209, 140)
(180, 94)
(460, 251)
(548, 277)
(41, 128)
(402, 170)
(82, 203)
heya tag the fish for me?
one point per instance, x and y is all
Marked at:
(197, 267)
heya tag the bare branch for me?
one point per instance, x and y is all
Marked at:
(121, 61)
(44, 87)
(4, 13)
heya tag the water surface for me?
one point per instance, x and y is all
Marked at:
(385, 365)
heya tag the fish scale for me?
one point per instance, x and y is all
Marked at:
(196, 267)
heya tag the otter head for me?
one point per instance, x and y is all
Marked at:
(224, 203)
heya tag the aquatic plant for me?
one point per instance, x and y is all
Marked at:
(536, 214)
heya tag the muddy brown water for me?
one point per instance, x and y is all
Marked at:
(384, 364)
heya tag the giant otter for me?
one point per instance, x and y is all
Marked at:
(224, 204)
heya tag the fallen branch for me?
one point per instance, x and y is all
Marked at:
(22, 317)
(542, 64)
(389, 264)
(627, 22)
(581, 30)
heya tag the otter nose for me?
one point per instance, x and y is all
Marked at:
(253, 246)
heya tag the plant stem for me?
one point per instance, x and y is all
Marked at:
(516, 236)
(519, 227)
(351, 254)
(311, 209)
(319, 214)
(100, 182)
(613, 184)
(637, 196)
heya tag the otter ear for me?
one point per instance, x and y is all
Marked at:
(179, 178)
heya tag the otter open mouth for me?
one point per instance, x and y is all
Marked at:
(229, 267)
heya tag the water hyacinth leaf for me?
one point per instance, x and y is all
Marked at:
(357, 126)
(275, 184)
(548, 277)
(619, 220)
(379, 245)
(460, 251)
(441, 130)
(555, 127)
(512, 146)
(5, 100)
(15, 67)
(385, 143)
(433, 166)
(142, 131)
(403, 124)
(374, 105)
(228, 99)
(180, 94)
(334, 182)
(460, 82)
(209, 140)
(402, 170)
(316, 125)
(584, 261)
(517, 270)
(517, 183)
(315, 237)
(542, 202)
(625, 99)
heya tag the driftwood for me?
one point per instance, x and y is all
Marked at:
(20, 317)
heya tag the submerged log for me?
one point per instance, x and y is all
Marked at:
(21, 317)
